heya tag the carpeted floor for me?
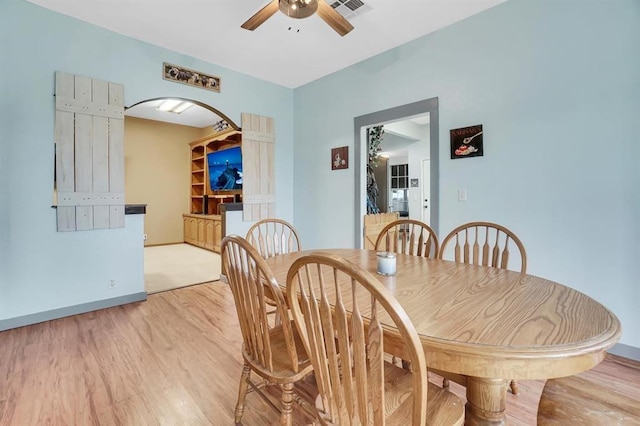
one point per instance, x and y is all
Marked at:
(178, 265)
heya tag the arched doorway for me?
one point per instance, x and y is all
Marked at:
(157, 173)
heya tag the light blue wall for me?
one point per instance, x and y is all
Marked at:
(556, 85)
(41, 269)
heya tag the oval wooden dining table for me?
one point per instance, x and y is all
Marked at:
(487, 324)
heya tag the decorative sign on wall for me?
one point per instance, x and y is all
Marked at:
(414, 183)
(190, 77)
(340, 158)
(466, 142)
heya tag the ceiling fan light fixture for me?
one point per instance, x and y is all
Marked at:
(301, 9)
(298, 9)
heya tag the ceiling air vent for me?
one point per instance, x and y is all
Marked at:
(349, 9)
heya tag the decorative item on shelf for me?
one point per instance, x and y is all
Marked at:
(466, 142)
(190, 77)
(220, 126)
(386, 263)
(340, 158)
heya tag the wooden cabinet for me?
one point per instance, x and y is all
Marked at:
(209, 234)
(204, 200)
(217, 235)
(190, 229)
(203, 231)
(201, 234)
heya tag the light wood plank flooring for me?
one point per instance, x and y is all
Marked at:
(172, 360)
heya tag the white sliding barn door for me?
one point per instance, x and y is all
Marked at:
(258, 175)
(89, 133)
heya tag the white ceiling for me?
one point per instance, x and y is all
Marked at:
(210, 30)
(401, 134)
(196, 116)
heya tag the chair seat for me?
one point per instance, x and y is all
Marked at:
(282, 371)
(577, 401)
(443, 408)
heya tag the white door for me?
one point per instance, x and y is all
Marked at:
(426, 191)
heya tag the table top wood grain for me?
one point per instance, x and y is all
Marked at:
(489, 322)
(487, 325)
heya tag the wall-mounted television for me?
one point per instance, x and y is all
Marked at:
(225, 169)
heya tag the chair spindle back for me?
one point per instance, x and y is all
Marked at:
(253, 285)
(338, 309)
(272, 237)
(408, 236)
(484, 243)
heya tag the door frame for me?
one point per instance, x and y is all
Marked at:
(385, 116)
(422, 189)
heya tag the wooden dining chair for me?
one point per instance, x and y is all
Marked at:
(273, 236)
(487, 244)
(484, 243)
(275, 353)
(340, 311)
(408, 236)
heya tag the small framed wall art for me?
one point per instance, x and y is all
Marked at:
(340, 158)
(467, 142)
(190, 77)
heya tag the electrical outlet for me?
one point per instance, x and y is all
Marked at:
(112, 283)
(145, 237)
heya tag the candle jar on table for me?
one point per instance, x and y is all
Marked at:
(386, 263)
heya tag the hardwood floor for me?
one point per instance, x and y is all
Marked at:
(172, 360)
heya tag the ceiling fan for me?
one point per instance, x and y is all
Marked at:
(300, 9)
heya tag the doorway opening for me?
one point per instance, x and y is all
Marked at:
(415, 193)
(157, 165)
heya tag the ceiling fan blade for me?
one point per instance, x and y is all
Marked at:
(333, 18)
(263, 14)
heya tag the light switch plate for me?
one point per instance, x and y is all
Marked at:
(462, 194)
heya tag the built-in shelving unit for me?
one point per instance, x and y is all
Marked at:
(203, 199)
(198, 178)
(202, 227)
